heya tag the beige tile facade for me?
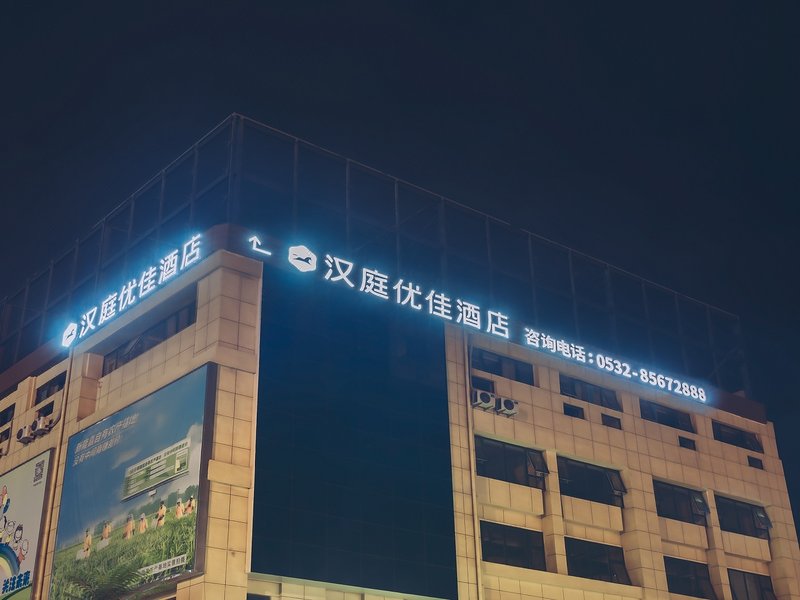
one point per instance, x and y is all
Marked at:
(227, 290)
(641, 451)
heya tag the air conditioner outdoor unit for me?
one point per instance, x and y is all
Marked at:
(483, 399)
(24, 434)
(40, 426)
(507, 407)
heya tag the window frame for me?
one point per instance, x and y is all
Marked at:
(762, 583)
(534, 466)
(614, 558)
(609, 481)
(700, 585)
(531, 546)
(666, 415)
(696, 509)
(741, 438)
(750, 519)
(588, 392)
(502, 365)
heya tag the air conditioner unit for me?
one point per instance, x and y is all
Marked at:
(507, 407)
(40, 426)
(483, 399)
(24, 434)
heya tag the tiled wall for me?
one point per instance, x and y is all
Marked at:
(225, 332)
(641, 450)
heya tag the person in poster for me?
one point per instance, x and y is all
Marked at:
(22, 494)
(149, 455)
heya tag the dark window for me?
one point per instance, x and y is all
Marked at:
(56, 384)
(756, 463)
(736, 437)
(688, 443)
(512, 546)
(5, 435)
(610, 421)
(683, 504)
(573, 411)
(590, 482)
(596, 561)
(511, 463)
(504, 366)
(744, 518)
(688, 578)
(658, 413)
(750, 586)
(46, 410)
(589, 392)
(6, 415)
(483, 384)
(176, 322)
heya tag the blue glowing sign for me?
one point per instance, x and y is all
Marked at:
(133, 290)
(436, 303)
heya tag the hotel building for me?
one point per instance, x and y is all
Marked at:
(273, 372)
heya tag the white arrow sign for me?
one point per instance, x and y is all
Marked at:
(256, 246)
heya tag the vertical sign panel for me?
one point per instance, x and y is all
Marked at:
(22, 493)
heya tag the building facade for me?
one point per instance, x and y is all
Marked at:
(274, 372)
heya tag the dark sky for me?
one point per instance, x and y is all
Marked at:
(663, 139)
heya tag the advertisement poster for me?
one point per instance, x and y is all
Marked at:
(22, 492)
(129, 504)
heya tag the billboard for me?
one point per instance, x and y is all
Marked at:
(22, 492)
(129, 504)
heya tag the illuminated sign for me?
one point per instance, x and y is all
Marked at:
(133, 290)
(436, 303)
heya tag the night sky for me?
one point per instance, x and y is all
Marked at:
(662, 139)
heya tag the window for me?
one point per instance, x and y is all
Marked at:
(512, 546)
(596, 561)
(610, 421)
(658, 413)
(688, 578)
(756, 463)
(573, 411)
(56, 384)
(5, 435)
(750, 586)
(507, 462)
(683, 504)
(6, 415)
(46, 410)
(589, 392)
(483, 384)
(736, 437)
(173, 324)
(744, 518)
(504, 366)
(687, 443)
(590, 482)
